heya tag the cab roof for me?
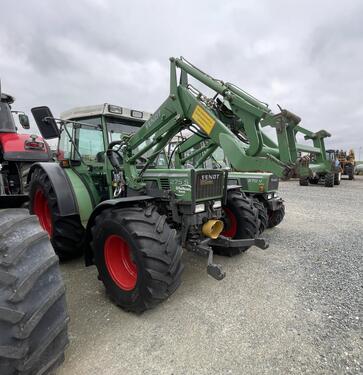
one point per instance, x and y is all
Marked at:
(106, 110)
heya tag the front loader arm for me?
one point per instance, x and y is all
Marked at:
(186, 106)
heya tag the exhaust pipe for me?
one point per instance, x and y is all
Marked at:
(212, 228)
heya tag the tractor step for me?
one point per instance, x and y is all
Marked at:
(213, 269)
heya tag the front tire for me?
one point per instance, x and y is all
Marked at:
(262, 214)
(66, 232)
(138, 256)
(349, 171)
(304, 181)
(337, 178)
(241, 221)
(33, 310)
(329, 180)
(314, 180)
(276, 217)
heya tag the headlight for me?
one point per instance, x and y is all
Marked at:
(276, 195)
(270, 195)
(217, 204)
(114, 109)
(199, 208)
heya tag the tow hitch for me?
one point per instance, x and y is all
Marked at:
(204, 248)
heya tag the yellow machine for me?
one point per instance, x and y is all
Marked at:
(347, 162)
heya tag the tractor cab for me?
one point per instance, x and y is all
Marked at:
(17, 153)
(7, 124)
(93, 129)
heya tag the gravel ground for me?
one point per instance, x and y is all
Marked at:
(294, 308)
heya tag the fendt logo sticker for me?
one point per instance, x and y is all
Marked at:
(203, 119)
(208, 179)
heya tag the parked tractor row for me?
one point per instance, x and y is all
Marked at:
(130, 190)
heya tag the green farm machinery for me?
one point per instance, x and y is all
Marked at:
(113, 194)
(260, 187)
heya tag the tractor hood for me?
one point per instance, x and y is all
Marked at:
(24, 147)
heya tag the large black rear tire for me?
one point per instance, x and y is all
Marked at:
(33, 311)
(138, 256)
(240, 220)
(66, 232)
(276, 217)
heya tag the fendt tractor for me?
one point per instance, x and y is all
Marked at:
(33, 311)
(329, 178)
(113, 194)
(260, 187)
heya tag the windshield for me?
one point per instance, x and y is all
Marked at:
(118, 127)
(7, 124)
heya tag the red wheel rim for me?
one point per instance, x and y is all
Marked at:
(119, 262)
(41, 209)
(230, 223)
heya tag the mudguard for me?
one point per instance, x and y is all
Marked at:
(119, 202)
(66, 199)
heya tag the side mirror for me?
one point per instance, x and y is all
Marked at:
(24, 120)
(46, 124)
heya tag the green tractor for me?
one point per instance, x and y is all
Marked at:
(260, 187)
(112, 193)
(263, 190)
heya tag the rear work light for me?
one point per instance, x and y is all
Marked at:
(137, 114)
(114, 109)
(33, 144)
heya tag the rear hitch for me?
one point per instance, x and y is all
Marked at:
(204, 248)
(213, 269)
(224, 242)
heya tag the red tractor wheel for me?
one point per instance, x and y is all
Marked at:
(65, 232)
(138, 256)
(41, 209)
(119, 262)
(241, 221)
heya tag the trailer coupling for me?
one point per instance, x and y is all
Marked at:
(205, 248)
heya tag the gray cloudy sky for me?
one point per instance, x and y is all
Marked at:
(304, 55)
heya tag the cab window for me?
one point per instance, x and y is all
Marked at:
(89, 141)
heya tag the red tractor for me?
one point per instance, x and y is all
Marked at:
(17, 153)
(33, 311)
